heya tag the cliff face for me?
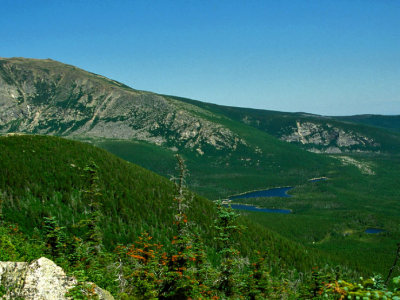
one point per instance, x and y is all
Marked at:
(48, 97)
(40, 280)
(327, 138)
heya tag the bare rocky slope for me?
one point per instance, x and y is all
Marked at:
(48, 97)
(315, 133)
(327, 137)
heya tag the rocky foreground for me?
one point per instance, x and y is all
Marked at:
(41, 279)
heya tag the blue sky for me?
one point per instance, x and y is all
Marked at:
(327, 57)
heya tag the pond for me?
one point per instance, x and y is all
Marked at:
(373, 230)
(254, 208)
(274, 192)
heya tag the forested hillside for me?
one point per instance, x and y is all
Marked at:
(388, 122)
(44, 176)
(138, 234)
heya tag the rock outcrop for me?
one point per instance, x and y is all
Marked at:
(48, 97)
(327, 138)
(41, 279)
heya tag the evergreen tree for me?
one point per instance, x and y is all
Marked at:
(1, 209)
(93, 236)
(258, 281)
(181, 282)
(205, 273)
(74, 251)
(55, 238)
(148, 268)
(226, 226)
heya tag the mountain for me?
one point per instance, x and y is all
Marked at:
(388, 122)
(47, 97)
(315, 133)
(228, 151)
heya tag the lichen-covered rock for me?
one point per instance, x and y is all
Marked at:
(40, 280)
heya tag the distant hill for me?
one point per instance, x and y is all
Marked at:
(387, 122)
(315, 133)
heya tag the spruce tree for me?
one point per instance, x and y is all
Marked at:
(1, 209)
(181, 282)
(148, 267)
(226, 226)
(93, 236)
(55, 238)
(258, 281)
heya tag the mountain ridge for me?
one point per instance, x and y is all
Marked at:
(324, 133)
(81, 103)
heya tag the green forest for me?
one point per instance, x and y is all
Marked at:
(142, 236)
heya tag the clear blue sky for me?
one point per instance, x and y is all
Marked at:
(328, 57)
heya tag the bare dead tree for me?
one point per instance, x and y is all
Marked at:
(394, 264)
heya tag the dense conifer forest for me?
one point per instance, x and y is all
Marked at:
(141, 236)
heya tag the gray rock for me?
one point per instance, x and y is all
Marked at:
(328, 138)
(47, 97)
(41, 279)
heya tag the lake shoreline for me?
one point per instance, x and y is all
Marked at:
(316, 179)
(280, 192)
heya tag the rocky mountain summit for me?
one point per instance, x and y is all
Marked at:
(52, 98)
(48, 97)
(41, 279)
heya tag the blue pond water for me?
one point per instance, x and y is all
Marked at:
(373, 230)
(253, 208)
(275, 192)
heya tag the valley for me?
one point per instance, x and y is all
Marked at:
(228, 151)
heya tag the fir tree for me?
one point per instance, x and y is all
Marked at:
(74, 251)
(145, 278)
(226, 226)
(181, 282)
(55, 238)
(1, 209)
(258, 281)
(93, 236)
